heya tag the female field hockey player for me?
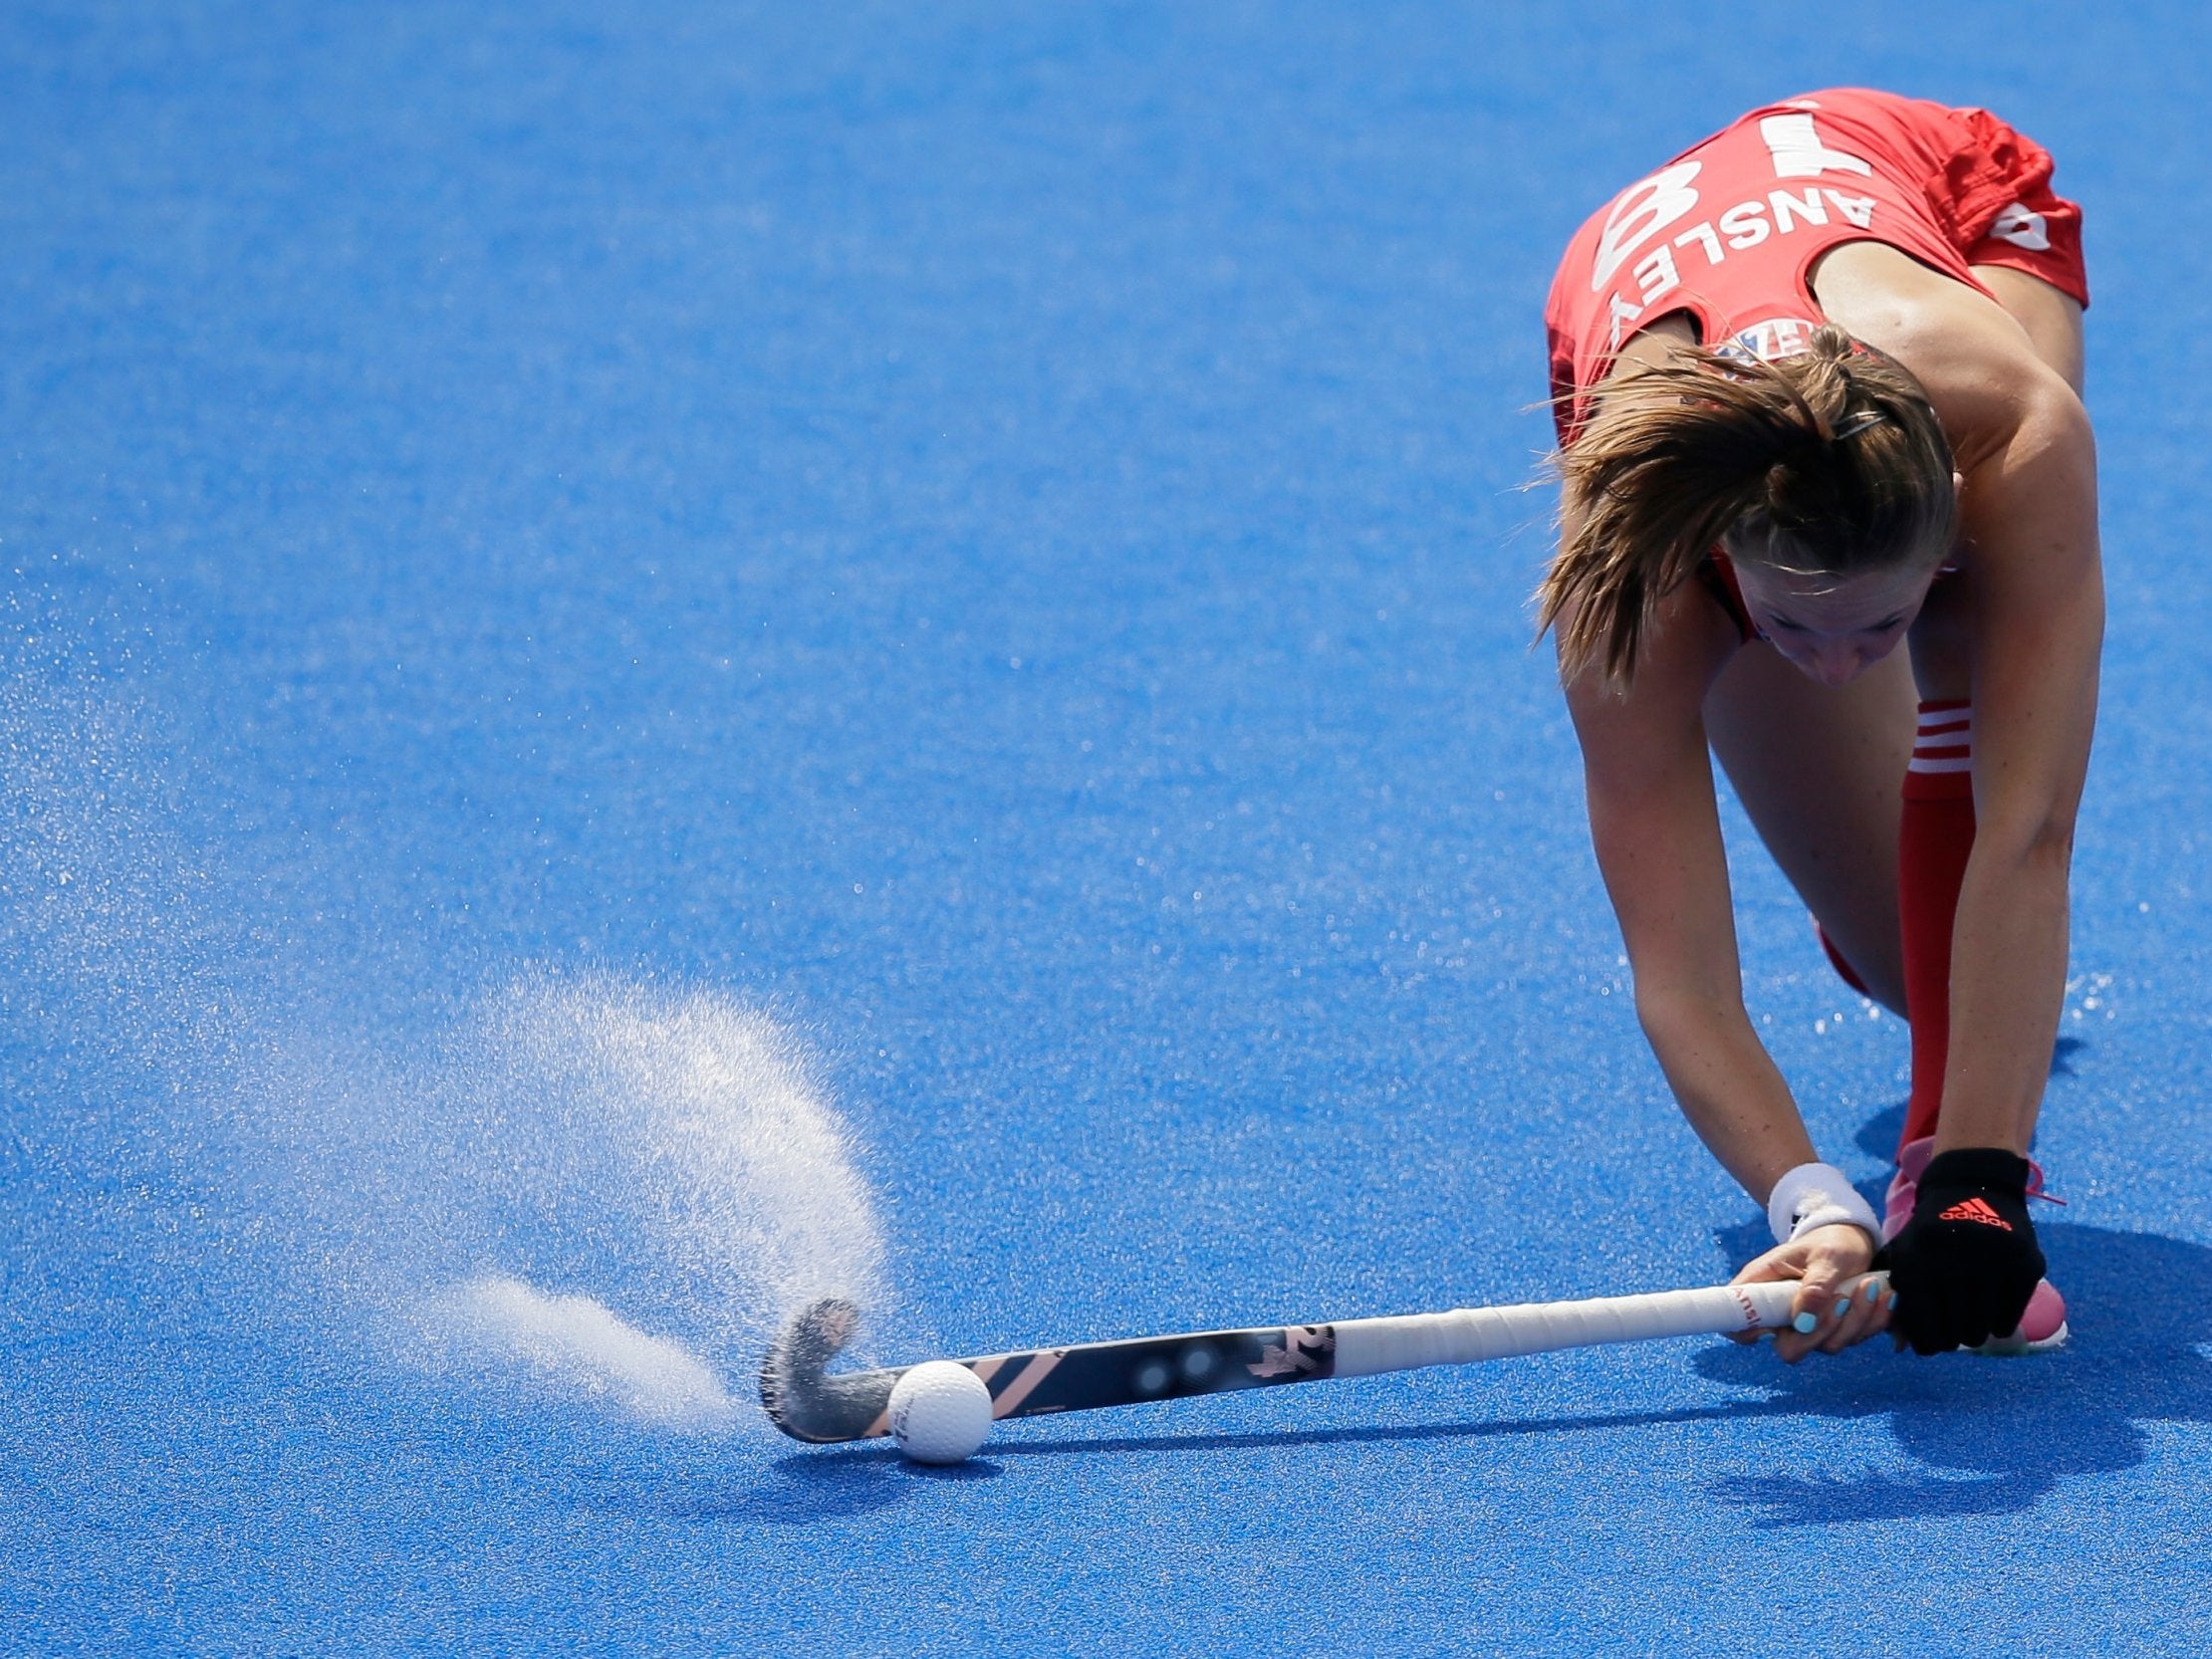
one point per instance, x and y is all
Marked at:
(1819, 391)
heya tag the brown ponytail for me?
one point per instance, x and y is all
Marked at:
(1827, 463)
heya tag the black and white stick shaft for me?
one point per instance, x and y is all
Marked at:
(808, 1403)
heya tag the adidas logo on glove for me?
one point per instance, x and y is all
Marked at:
(1975, 1209)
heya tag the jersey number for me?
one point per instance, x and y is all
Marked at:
(1651, 205)
(1798, 152)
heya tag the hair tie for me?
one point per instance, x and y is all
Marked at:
(1858, 423)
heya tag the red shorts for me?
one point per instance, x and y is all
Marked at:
(1996, 192)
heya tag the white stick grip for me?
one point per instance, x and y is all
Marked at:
(1369, 1347)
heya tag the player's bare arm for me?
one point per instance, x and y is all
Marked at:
(2019, 637)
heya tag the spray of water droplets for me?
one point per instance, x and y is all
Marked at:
(595, 1188)
(582, 1187)
(101, 901)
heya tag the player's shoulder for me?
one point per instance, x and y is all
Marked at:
(1989, 385)
(1977, 366)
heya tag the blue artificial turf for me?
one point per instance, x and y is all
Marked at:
(990, 537)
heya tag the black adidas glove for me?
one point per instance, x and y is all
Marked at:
(1967, 1261)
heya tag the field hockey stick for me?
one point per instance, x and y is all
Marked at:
(808, 1403)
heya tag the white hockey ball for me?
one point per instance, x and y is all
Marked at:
(940, 1412)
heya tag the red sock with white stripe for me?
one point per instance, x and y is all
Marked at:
(1935, 842)
(1932, 848)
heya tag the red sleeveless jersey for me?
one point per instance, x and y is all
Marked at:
(1728, 230)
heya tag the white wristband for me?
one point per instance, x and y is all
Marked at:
(1816, 1195)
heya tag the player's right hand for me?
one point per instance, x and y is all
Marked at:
(1830, 1265)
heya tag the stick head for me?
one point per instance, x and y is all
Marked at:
(805, 1401)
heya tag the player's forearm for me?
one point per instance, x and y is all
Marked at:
(2008, 980)
(1727, 1086)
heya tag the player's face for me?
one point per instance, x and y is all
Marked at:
(1833, 629)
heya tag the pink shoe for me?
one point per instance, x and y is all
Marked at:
(2043, 1326)
(1904, 1186)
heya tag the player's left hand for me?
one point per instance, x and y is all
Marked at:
(1968, 1262)
(1847, 1305)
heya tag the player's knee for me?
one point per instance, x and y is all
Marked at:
(1874, 977)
